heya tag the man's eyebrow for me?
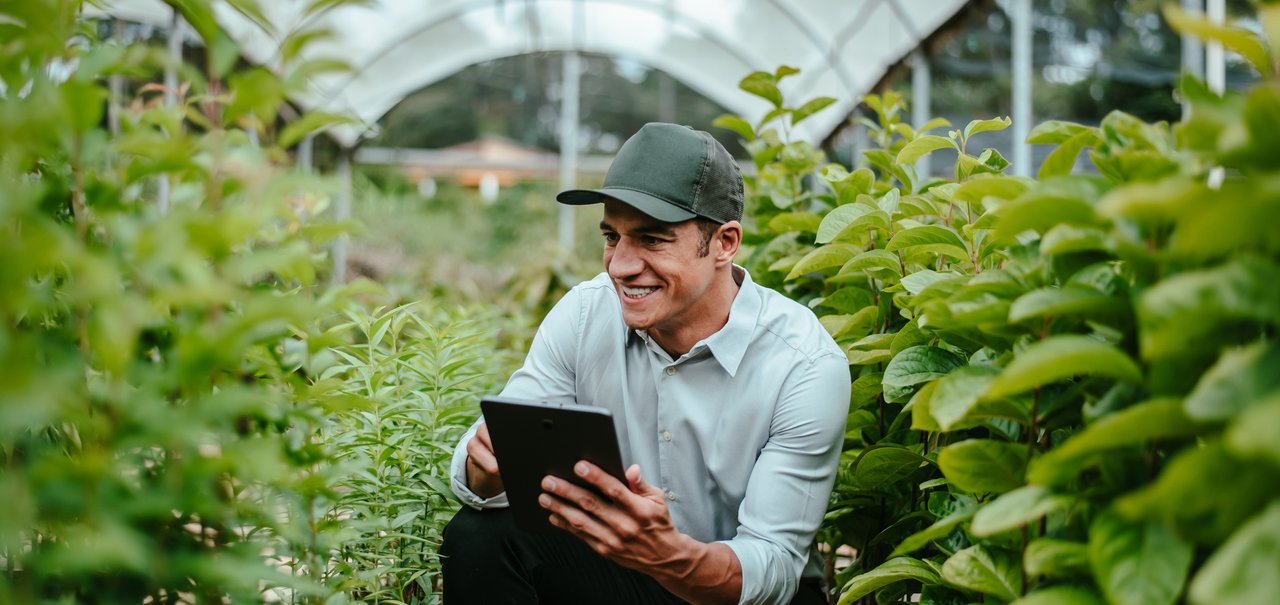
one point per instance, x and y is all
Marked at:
(651, 229)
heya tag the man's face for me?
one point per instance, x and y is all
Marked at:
(661, 280)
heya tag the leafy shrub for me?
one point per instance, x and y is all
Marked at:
(1065, 390)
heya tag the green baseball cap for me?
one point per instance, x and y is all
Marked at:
(672, 173)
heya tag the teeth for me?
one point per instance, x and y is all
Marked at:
(636, 292)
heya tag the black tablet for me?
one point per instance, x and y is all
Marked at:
(532, 440)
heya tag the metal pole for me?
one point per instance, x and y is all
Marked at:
(170, 97)
(341, 212)
(569, 81)
(1192, 51)
(1215, 61)
(116, 83)
(305, 153)
(921, 88)
(1021, 86)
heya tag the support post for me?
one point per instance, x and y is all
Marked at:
(170, 97)
(305, 148)
(1215, 60)
(1021, 86)
(570, 79)
(342, 212)
(115, 83)
(1192, 50)
(921, 92)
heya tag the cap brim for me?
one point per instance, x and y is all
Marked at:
(654, 207)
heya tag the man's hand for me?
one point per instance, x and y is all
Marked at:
(632, 527)
(482, 466)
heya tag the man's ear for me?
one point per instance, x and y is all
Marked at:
(729, 238)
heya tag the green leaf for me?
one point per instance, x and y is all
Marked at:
(878, 467)
(993, 124)
(1054, 132)
(764, 85)
(983, 465)
(896, 569)
(1244, 42)
(930, 238)
(873, 261)
(729, 121)
(795, 221)
(1066, 239)
(978, 188)
(1256, 432)
(988, 570)
(1243, 570)
(848, 300)
(1069, 301)
(1187, 311)
(810, 108)
(824, 257)
(836, 221)
(1143, 422)
(940, 529)
(1056, 558)
(909, 336)
(1015, 509)
(1058, 358)
(313, 121)
(1239, 380)
(922, 146)
(1060, 161)
(1137, 562)
(1048, 204)
(920, 404)
(915, 366)
(955, 403)
(918, 281)
(865, 389)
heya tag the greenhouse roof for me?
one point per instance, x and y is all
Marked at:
(842, 47)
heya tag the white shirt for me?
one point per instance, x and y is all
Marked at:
(742, 433)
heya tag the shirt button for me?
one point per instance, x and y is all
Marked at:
(671, 495)
(671, 370)
(666, 436)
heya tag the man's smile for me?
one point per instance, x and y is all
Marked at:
(636, 293)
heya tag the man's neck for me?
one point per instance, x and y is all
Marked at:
(710, 318)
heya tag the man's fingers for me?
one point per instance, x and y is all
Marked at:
(482, 457)
(482, 435)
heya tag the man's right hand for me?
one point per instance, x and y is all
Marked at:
(482, 466)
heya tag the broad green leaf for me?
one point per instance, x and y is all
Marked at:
(1069, 301)
(1243, 570)
(1238, 216)
(988, 570)
(836, 221)
(983, 465)
(955, 403)
(810, 108)
(896, 569)
(1256, 432)
(865, 389)
(1242, 41)
(915, 366)
(878, 467)
(1137, 562)
(921, 409)
(929, 238)
(1060, 161)
(1048, 204)
(940, 529)
(909, 336)
(312, 121)
(784, 71)
(1150, 420)
(918, 281)
(1060, 595)
(1056, 558)
(993, 124)
(764, 85)
(1054, 132)
(848, 300)
(1190, 310)
(1058, 358)
(1066, 239)
(824, 257)
(729, 121)
(866, 358)
(873, 261)
(1161, 201)
(978, 188)
(795, 221)
(933, 123)
(1239, 380)
(921, 146)
(1016, 508)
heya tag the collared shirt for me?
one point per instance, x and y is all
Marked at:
(742, 433)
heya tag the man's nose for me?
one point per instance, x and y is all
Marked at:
(624, 261)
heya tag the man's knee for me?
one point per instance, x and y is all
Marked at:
(476, 533)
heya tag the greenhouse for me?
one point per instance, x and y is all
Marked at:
(942, 301)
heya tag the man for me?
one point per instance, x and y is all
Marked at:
(730, 402)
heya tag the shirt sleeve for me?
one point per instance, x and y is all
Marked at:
(547, 375)
(791, 481)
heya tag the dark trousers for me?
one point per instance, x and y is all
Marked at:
(487, 561)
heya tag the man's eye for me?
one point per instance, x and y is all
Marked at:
(649, 240)
(611, 238)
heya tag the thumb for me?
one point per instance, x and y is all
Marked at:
(638, 484)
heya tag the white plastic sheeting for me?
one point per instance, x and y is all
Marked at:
(843, 47)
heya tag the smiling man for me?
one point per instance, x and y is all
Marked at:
(730, 401)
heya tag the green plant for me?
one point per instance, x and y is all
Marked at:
(413, 378)
(1065, 390)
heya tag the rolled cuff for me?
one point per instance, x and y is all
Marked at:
(769, 577)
